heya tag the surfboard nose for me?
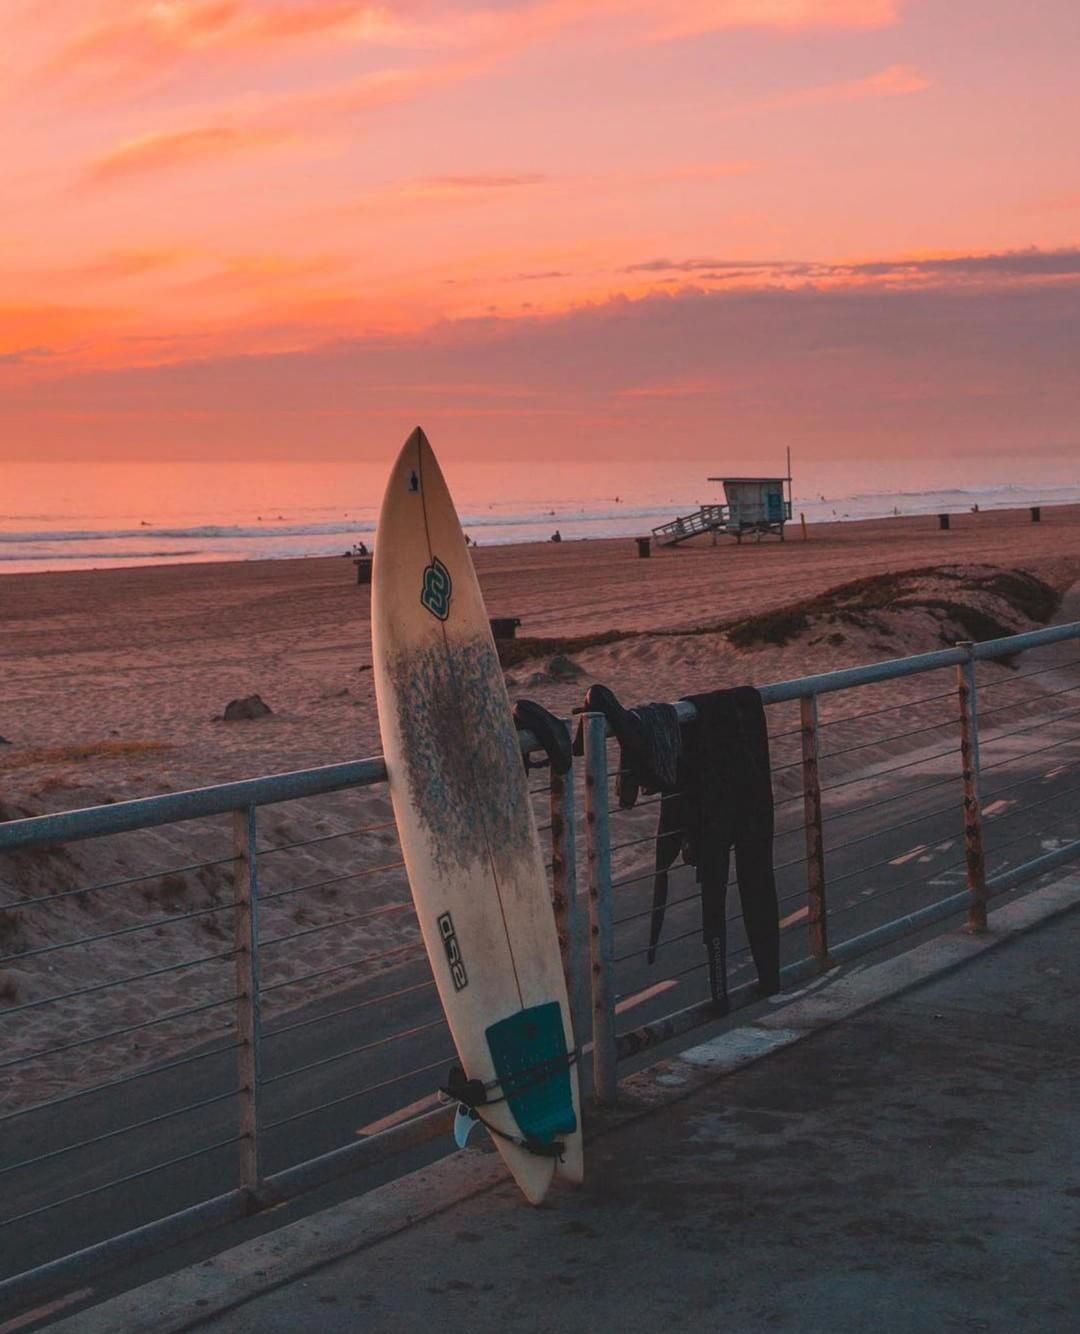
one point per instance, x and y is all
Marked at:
(415, 447)
(416, 465)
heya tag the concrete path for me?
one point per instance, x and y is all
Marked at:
(898, 1151)
(914, 1167)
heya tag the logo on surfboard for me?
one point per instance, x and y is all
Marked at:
(437, 589)
(460, 978)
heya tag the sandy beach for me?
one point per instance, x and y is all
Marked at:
(114, 683)
(152, 655)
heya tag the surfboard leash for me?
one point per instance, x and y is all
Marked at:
(472, 1094)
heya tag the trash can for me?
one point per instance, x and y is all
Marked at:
(943, 520)
(1036, 514)
(644, 548)
(363, 569)
(504, 627)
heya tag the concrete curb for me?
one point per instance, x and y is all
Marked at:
(184, 1300)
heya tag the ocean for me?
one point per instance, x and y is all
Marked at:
(100, 515)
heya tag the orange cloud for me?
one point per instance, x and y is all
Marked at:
(484, 181)
(702, 171)
(137, 43)
(673, 389)
(381, 88)
(133, 263)
(894, 81)
(688, 18)
(142, 41)
(39, 326)
(155, 152)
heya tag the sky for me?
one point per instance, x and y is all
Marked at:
(632, 229)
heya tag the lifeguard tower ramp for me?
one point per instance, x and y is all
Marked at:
(708, 519)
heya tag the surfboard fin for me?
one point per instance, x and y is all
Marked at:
(465, 1122)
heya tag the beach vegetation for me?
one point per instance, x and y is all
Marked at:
(79, 752)
(985, 603)
(773, 627)
(212, 927)
(12, 932)
(972, 622)
(1023, 591)
(1016, 596)
(525, 649)
(167, 891)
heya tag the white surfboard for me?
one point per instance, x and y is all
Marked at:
(466, 825)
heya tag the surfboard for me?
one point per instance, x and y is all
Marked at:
(468, 835)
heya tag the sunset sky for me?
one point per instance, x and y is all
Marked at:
(294, 228)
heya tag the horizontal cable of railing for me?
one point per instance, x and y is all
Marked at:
(38, 902)
(120, 1130)
(118, 1032)
(325, 1016)
(116, 982)
(119, 1082)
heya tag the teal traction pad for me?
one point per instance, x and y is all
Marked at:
(529, 1052)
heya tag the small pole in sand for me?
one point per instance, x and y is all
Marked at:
(802, 520)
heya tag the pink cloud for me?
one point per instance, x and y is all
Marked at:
(968, 369)
(688, 18)
(894, 81)
(133, 45)
(158, 152)
(142, 41)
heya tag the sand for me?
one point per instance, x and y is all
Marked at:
(114, 682)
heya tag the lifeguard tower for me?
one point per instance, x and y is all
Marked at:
(753, 505)
(758, 505)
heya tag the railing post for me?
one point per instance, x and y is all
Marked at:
(246, 955)
(817, 921)
(564, 897)
(969, 758)
(601, 925)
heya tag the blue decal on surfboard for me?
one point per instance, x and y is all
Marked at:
(437, 589)
(529, 1053)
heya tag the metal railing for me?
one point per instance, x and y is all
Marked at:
(126, 1106)
(314, 958)
(830, 882)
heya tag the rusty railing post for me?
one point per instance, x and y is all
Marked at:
(601, 924)
(564, 898)
(817, 920)
(246, 956)
(969, 759)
